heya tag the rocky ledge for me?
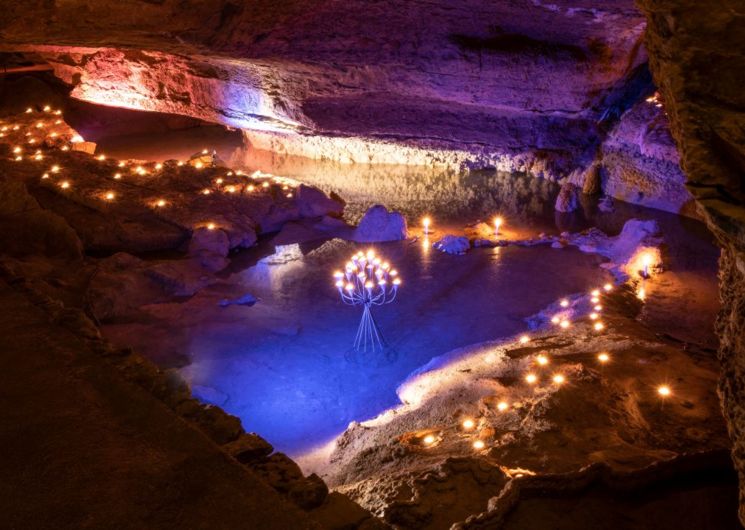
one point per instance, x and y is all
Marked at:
(527, 87)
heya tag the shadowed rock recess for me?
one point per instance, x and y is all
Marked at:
(697, 58)
(117, 274)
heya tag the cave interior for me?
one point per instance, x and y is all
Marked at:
(372, 265)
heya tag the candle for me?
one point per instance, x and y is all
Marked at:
(497, 224)
(646, 262)
(425, 223)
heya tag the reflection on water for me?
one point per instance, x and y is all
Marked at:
(414, 190)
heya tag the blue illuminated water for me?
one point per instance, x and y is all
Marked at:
(280, 365)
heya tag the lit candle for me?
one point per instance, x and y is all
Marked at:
(646, 262)
(497, 224)
(425, 223)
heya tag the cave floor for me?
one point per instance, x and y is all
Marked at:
(85, 447)
(283, 364)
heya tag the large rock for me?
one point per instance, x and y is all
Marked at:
(378, 224)
(568, 198)
(640, 163)
(314, 203)
(36, 231)
(697, 57)
(210, 248)
(451, 244)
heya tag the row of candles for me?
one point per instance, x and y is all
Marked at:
(139, 169)
(542, 360)
(427, 223)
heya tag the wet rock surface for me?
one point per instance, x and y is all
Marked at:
(699, 70)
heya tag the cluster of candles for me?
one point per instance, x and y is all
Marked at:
(655, 100)
(367, 277)
(286, 185)
(542, 360)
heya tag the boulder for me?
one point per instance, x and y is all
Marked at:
(378, 224)
(210, 248)
(312, 202)
(451, 244)
(249, 447)
(568, 198)
(309, 492)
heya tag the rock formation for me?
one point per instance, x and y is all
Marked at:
(697, 60)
